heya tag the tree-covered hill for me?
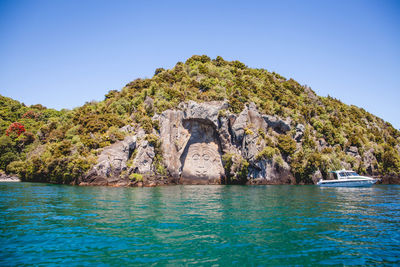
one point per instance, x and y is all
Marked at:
(42, 144)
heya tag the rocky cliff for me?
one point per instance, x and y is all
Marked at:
(204, 143)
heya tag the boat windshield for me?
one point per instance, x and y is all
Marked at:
(345, 174)
(352, 174)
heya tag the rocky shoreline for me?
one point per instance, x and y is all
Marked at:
(167, 181)
(388, 179)
(9, 178)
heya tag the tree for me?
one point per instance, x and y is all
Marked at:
(286, 144)
(159, 70)
(390, 160)
(30, 115)
(7, 151)
(15, 129)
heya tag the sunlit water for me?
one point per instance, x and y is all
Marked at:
(207, 225)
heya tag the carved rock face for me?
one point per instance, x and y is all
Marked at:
(201, 159)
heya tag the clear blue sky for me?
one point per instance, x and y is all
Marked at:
(64, 53)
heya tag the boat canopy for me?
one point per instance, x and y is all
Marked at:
(344, 173)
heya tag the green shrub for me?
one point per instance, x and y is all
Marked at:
(390, 160)
(159, 70)
(236, 168)
(222, 113)
(267, 153)
(153, 140)
(248, 131)
(136, 176)
(227, 163)
(113, 134)
(243, 170)
(16, 167)
(160, 169)
(286, 144)
(236, 105)
(8, 152)
(279, 160)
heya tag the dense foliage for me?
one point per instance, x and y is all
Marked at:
(58, 146)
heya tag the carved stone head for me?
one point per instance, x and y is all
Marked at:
(203, 161)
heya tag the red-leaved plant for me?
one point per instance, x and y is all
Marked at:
(30, 114)
(15, 128)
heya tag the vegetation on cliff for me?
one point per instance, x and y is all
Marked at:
(41, 144)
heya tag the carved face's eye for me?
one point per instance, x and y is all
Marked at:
(206, 157)
(196, 157)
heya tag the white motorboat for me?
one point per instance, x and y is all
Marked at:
(347, 178)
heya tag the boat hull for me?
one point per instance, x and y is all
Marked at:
(359, 183)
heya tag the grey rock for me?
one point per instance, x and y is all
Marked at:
(259, 169)
(127, 129)
(317, 175)
(205, 111)
(173, 140)
(369, 162)
(352, 151)
(279, 125)
(322, 144)
(112, 160)
(251, 120)
(239, 126)
(346, 165)
(143, 160)
(251, 147)
(255, 119)
(270, 172)
(9, 178)
(311, 94)
(149, 103)
(299, 132)
(224, 132)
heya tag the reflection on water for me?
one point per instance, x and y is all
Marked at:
(223, 225)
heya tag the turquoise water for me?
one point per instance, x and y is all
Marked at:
(206, 225)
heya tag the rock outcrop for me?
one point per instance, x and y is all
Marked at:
(111, 162)
(352, 151)
(300, 128)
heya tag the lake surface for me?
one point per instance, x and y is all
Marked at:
(206, 225)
